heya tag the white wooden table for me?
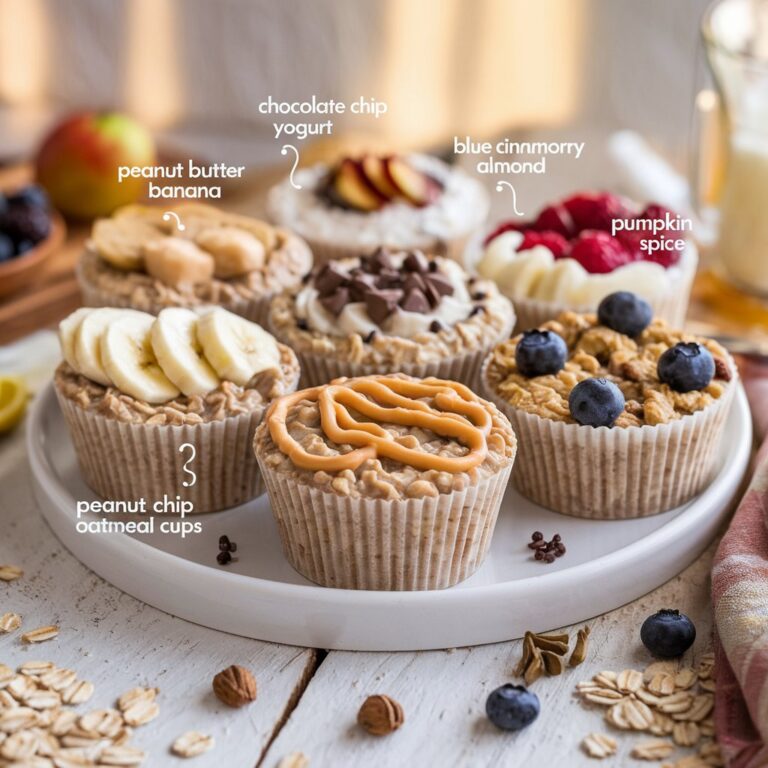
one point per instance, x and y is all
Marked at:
(307, 699)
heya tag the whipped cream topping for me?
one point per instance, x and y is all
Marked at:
(354, 318)
(461, 207)
(535, 274)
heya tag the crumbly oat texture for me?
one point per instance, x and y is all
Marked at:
(227, 400)
(381, 477)
(493, 322)
(286, 258)
(598, 351)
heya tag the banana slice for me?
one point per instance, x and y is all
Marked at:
(269, 236)
(67, 333)
(235, 251)
(175, 261)
(87, 343)
(128, 358)
(499, 254)
(521, 276)
(179, 352)
(236, 348)
(564, 276)
(120, 242)
(644, 278)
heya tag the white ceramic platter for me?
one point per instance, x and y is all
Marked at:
(608, 563)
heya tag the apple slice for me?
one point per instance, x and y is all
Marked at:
(352, 187)
(418, 188)
(375, 172)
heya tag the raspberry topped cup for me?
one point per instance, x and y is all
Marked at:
(579, 250)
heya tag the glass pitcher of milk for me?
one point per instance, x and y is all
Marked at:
(736, 39)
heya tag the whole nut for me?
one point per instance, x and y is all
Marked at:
(380, 715)
(235, 686)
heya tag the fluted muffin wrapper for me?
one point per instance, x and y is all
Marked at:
(126, 461)
(618, 473)
(380, 544)
(255, 309)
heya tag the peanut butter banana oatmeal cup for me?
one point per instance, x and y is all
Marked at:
(135, 388)
(618, 416)
(137, 259)
(385, 482)
(389, 312)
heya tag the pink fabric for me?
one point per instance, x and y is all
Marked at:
(740, 605)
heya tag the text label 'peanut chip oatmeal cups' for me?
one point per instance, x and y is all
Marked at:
(138, 259)
(385, 482)
(612, 425)
(392, 312)
(360, 204)
(134, 389)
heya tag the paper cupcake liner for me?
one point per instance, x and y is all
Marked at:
(323, 250)
(408, 544)
(124, 461)
(672, 306)
(614, 474)
(255, 309)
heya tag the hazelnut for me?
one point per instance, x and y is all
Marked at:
(380, 715)
(235, 686)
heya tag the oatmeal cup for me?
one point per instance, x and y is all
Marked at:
(137, 259)
(391, 313)
(359, 204)
(402, 495)
(134, 389)
(612, 425)
(569, 258)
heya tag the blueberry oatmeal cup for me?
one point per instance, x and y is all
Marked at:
(359, 204)
(385, 482)
(391, 313)
(138, 259)
(618, 416)
(134, 388)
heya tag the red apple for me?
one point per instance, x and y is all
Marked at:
(375, 171)
(351, 185)
(78, 162)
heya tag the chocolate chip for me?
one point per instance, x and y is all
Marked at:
(224, 543)
(302, 325)
(388, 278)
(360, 285)
(440, 283)
(336, 301)
(370, 337)
(416, 261)
(475, 310)
(432, 294)
(722, 371)
(415, 301)
(329, 279)
(224, 557)
(414, 281)
(379, 260)
(433, 266)
(479, 296)
(381, 304)
(305, 278)
(435, 326)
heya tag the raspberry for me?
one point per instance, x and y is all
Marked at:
(507, 226)
(595, 210)
(556, 218)
(631, 243)
(552, 240)
(598, 252)
(668, 256)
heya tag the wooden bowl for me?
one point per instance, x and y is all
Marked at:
(21, 271)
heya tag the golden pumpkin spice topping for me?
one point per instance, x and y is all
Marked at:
(457, 413)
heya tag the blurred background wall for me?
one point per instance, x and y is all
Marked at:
(196, 70)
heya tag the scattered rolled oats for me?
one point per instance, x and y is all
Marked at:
(10, 572)
(42, 699)
(9, 622)
(41, 634)
(135, 696)
(700, 707)
(653, 749)
(630, 714)
(710, 753)
(676, 703)
(36, 668)
(58, 679)
(6, 675)
(78, 692)
(141, 712)
(598, 745)
(706, 665)
(294, 760)
(686, 678)
(660, 667)
(191, 744)
(662, 684)
(629, 680)
(686, 734)
(121, 755)
(17, 719)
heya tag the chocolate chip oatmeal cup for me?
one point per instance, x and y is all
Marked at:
(390, 312)
(617, 416)
(134, 389)
(137, 259)
(385, 482)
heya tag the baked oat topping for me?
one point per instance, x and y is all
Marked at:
(386, 437)
(595, 351)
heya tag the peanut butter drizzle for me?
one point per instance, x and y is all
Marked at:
(386, 400)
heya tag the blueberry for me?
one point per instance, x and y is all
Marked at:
(540, 352)
(668, 633)
(23, 222)
(7, 248)
(686, 366)
(31, 196)
(596, 402)
(512, 707)
(625, 312)
(23, 246)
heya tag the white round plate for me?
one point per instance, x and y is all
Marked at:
(608, 563)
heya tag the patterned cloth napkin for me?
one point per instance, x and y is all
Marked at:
(740, 604)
